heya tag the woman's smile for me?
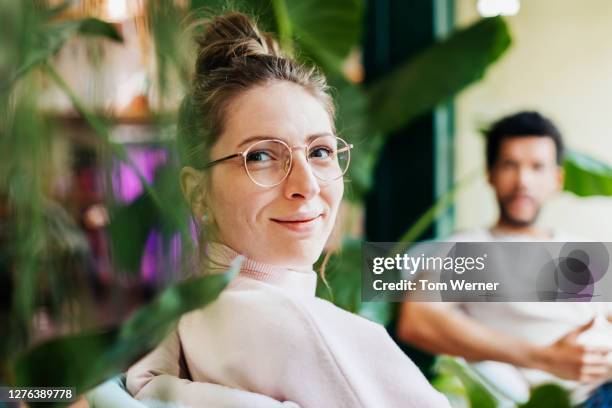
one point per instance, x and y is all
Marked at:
(301, 223)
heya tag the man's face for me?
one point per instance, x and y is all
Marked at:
(524, 177)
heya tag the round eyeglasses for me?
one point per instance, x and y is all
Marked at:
(268, 162)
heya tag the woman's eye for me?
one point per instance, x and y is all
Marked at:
(259, 156)
(321, 153)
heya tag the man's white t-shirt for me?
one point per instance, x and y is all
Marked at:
(540, 323)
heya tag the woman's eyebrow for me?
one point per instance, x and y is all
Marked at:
(253, 139)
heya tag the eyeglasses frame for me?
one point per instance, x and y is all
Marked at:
(244, 154)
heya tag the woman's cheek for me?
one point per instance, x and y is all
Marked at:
(335, 197)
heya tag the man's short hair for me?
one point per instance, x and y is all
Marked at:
(521, 124)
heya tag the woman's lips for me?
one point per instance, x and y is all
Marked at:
(299, 225)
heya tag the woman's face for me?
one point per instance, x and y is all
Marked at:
(287, 224)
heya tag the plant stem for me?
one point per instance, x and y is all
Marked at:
(429, 216)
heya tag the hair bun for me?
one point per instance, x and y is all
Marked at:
(230, 37)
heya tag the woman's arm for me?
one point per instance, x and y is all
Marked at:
(157, 377)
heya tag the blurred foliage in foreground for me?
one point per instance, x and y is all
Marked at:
(42, 258)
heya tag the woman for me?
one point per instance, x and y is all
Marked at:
(264, 177)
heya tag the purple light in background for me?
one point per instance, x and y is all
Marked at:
(151, 257)
(175, 254)
(193, 230)
(126, 184)
(161, 260)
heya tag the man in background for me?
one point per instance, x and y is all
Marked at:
(524, 162)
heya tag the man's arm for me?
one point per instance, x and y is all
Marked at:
(442, 329)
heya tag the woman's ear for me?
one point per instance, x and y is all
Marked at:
(193, 188)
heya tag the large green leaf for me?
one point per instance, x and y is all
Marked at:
(129, 228)
(353, 126)
(85, 359)
(262, 10)
(586, 176)
(437, 73)
(49, 38)
(452, 388)
(13, 42)
(131, 224)
(482, 395)
(342, 285)
(548, 395)
(326, 30)
(479, 394)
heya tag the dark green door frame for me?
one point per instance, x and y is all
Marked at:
(416, 165)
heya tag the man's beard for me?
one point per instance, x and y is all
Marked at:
(507, 218)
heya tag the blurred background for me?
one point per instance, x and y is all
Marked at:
(94, 232)
(549, 68)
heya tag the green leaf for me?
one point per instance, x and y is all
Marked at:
(129, 228)
(452, 388)
(118, 150)
(261, 10)
(55, 11)
(65, 362)
(98, 28)
(342, 284)
(548, 395)
(326, 30)
(83, 360)
(437, 73)
(586, 176)
(353, 126)
(478, 393)
(131, 224)
(428, 217)
(50, 38)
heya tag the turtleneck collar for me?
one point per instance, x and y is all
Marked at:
(299, 282)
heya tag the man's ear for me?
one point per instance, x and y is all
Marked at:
(193, 188)
(560, 178)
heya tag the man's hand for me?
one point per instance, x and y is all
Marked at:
(568, 359)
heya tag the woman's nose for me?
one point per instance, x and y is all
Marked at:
(301, 181)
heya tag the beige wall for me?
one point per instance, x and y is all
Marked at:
(560, 63)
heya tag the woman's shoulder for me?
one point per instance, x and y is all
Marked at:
(254, 307)
(341, 318)
(248, 322)
(246, 300)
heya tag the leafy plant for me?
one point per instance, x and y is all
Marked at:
(320, 31)
(315, 30)
(85, 359)
(474, 391)
(586, 176)
(32, 245)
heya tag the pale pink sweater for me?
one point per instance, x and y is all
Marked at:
(267, 341)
